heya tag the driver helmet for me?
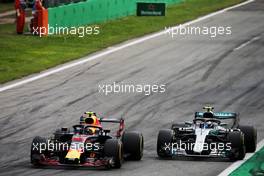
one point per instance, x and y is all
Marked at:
(90, 118)
(208, 116)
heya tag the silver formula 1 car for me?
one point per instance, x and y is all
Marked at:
(210, 134)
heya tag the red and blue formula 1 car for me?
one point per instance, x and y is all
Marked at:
(88, 144)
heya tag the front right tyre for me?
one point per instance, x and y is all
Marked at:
(38, 147)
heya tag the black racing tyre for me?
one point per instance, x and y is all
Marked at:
(113, 148)
(165, 138)
(250, 135)
(238, 149)
(133, 143)
(38, 146)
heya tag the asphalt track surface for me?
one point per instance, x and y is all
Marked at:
(196, 70)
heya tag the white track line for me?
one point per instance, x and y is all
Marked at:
(246, 43)
(236, 164)
(111, 50)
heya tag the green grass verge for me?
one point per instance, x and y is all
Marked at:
(24, 55)
(6, 7)
(253, 166)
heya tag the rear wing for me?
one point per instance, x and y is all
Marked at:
(121, 124)
(218, 115)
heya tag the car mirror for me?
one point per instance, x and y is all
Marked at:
(188, 123)
(223, 124)
(106, 131)
(64, 129)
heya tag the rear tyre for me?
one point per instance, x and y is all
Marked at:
(133, 143)
(250, 135)
(238, 149)
(38, 147)
(165, 138)
(113, 148)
